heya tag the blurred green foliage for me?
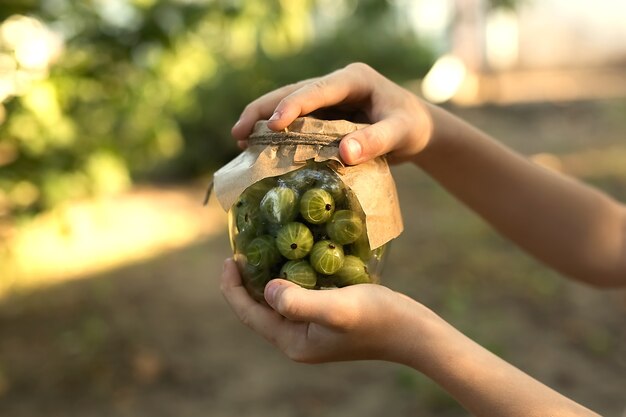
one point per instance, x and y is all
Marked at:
(148, 89)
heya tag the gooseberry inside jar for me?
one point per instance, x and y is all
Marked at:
(305, 226)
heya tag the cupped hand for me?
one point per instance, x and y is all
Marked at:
(364, 321)
(401, 123)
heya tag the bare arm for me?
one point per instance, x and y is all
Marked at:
(483, 383)
(570, 226)
(369, 321)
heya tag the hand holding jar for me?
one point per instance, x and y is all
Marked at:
(303, 215)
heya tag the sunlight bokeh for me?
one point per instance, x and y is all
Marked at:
(521, 55)
(27, 50)
(87, 237)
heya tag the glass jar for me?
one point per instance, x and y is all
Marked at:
(305, 226)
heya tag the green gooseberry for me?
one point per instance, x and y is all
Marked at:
(255, 193)
(360, 248)
(299, 272)
(242, 239)
(247, 214)
(300, 180)
(270, 228)
(329, 181)
(326, 257)
(317, 206)
(294, 240)
(279, 205)
(353, 271)
(254, 280)
(262, 252)
(345, 227)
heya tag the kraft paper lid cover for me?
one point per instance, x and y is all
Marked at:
(271, 153)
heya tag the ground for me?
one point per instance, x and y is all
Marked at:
(156, 338)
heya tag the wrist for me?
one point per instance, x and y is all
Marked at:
(416, 331)
(444, 128)
(419, 122)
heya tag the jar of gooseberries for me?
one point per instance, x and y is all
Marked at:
(305, 226)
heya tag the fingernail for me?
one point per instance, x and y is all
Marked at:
(270, 292)
(237, 123)
(275, 116)
(354, 148)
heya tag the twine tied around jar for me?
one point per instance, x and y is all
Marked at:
(304, 131)
(292, 138)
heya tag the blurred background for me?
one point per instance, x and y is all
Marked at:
(114, 114)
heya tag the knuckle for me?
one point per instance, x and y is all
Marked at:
(296, 93)
(358, 66)
(291, 86)
(251, 108)
(362, 77)
(224, 289)
(245, 316)
(374, 138)
(297, 354)
(282, 93)
(318, 88)
(285, 102)
(318, 84)
(273, 339)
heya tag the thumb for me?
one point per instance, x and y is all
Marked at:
(370, 142)
(299, 304)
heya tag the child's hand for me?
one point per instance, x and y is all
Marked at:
(402, 124)
(369, 321)
(364, 321)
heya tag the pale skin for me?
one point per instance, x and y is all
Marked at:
(571, 227)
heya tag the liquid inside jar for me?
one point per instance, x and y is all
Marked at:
(305, 226)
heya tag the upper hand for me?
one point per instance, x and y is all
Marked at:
(402, 124)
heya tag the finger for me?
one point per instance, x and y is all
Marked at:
(350, 84)
(260, 318)
(299, 304)
(372, 141)
(262, 108)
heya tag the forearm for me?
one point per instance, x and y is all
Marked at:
(568, 225)
(482, 382)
